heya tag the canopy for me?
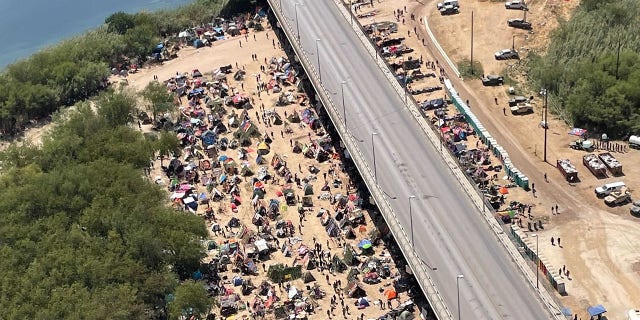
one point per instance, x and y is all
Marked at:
(390, 294)
(503, 190)
(596, 310)
(263, 146)
(577, 132)
(363, 302)
(364, 244)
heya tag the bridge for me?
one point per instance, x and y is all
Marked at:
(463, 261)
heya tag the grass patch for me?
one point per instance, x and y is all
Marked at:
(464, 66)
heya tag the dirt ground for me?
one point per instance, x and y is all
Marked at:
(229, 52)
(598, 242)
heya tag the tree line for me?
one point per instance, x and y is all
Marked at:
(591, 68)
(84, 233)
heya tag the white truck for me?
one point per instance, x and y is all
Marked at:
(522, 108)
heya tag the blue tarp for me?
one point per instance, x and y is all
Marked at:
(364, 244)
(198, 43)
(596, 310)
(197, 275)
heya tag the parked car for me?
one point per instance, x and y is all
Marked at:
(517, 99)
(519, 24)
(448, 9)
(453, 3)
(492, 80)
(433, 104)
(516, 5)
(506, 54)
(635, 208)
(608, 188)
(522, 108)
(618, 197)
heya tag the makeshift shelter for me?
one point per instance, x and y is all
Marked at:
(354, 289)
(596, 310)
(406, 315)
(390, 294)
(308, 277)
(363, 302)
(337, 264)
(332, 227)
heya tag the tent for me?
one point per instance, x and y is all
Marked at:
(354, 289)
(406, 315)
(596, 310)
(308, 277)
(390, 294)
(363, 302)
(197, 43)
(364, 244)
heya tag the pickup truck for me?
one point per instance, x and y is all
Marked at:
(522, 108)
(618, 197)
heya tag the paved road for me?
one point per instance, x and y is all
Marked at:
(449, 234)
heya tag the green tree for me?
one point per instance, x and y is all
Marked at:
(117, 108)
(167, 145)
(159, 98)
(120, 22)
(190, 299)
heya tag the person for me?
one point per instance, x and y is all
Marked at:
(557, 212)
(496, 99)
(504, 111)
(545, 177)
(552, 242)
(558, 241)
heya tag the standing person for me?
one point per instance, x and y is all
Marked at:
(557, 212)
(559, 242)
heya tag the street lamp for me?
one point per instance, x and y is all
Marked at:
(344, 109)
(295, 6)
(513, 43)
(536, 261)
(318, 56)
(411, 218)
(460, 276)
(545, 124)
(373, 149)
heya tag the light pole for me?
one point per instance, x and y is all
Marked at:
(546, 125)
(472, 43)
(295, 6)
(373, 149)
(344, 109)
(536, 262)
(460, 276)
(411, 218)
(318, 56)
(513, 43)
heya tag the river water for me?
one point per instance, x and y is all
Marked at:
(27, 26)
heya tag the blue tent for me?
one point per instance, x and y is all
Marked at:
(364, 244)
(198, 43)
(158, 48)
(596, 310)
(197, 275)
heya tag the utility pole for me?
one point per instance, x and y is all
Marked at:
(546, 124)
(472, 43)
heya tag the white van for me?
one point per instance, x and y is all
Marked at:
(633, 314)
(606, 189)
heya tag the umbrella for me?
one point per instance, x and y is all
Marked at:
(222, 158)
(503, 190)
(596, 310)
(263, 146)
(364, 244)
